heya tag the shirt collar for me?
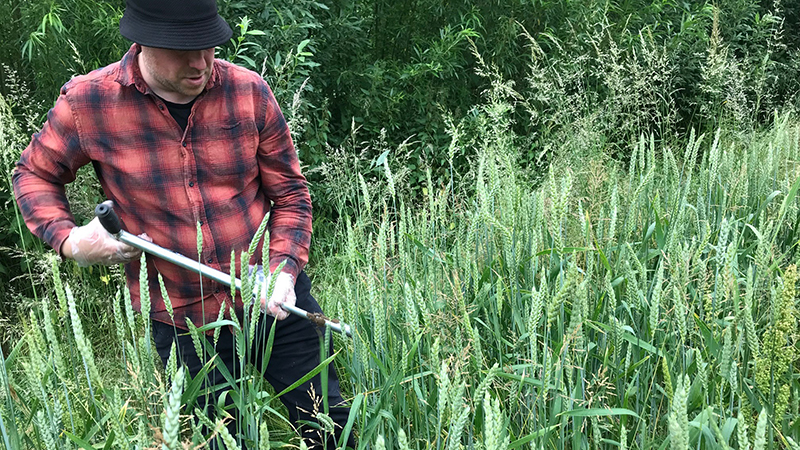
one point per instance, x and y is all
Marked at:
(130, 74)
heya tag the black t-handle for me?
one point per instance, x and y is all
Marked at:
(108, 218)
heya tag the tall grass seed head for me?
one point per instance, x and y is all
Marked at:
(119, 319)
(443, 388)
(781, 405)
(537, 306)
(747, 315)
(45, 430)
(681, 312)
(220, 316)
(255, 310)
(129, 313)
(196, 338)
(59, 288)
(144, 289)
(667, 378)
(380, 444)
(741, 432)
(727, 352)
(36, 365)
(81, 342)
(402, 440)
(617, 332)
(655, 300)
(760, 441)
(165, 296)
(678, 418)
(199, 229)
(262, 229)
(52, 338)
(247, 278)
(412, 317)
(610, 293)
(457, 428)
(495, 436)
(263, 442)
(172, 409)
(172, 361)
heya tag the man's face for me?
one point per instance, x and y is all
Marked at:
(177, 76)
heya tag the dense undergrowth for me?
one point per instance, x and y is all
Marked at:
(513, 211)
(624, 306)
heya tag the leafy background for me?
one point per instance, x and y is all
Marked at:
(587, 207)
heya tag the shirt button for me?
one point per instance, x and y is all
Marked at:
(216, 291)
(209, 260)
(201, 223)
(184, 144)
(191, 183)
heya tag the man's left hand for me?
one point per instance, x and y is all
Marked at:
(282, 294)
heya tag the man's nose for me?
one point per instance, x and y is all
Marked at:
(196, 60)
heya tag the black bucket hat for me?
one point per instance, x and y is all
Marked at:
(174, 24)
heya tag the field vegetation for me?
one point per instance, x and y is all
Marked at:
(551, 225)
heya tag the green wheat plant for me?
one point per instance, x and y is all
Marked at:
(630, 306)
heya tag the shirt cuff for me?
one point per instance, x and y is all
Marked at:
(291, 267)
(57, 233)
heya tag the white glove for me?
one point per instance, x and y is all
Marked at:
(282, 293)
(92, 244)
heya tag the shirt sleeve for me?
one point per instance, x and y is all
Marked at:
(286, 187)
(50, 161)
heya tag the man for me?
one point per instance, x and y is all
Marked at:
(180, 139)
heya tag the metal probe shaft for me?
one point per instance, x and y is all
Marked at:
(202, 269)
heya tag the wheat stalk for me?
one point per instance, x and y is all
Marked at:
(172, 409)
(741, 432)
(263, 442)
(760, 441)
(678, 419)
(84, 348)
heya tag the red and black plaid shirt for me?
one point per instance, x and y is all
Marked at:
(235, 156)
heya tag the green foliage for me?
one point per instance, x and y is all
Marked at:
(278, 41)
(604, 310)
(402, 71)
(503, 213)
(502, 315)
(58, 390)
(50, 42)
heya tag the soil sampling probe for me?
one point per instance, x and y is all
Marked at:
(110, 221)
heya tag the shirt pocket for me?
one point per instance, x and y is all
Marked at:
(226, 153)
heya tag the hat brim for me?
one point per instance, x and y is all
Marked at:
(201, 35)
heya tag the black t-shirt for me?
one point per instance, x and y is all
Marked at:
(180, 112)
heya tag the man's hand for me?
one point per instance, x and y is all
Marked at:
(92, 244)
(282, 293)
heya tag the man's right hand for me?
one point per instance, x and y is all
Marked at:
(92, 244)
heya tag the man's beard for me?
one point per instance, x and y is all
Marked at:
(173, 85)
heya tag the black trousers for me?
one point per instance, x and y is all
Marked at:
(295, 352)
